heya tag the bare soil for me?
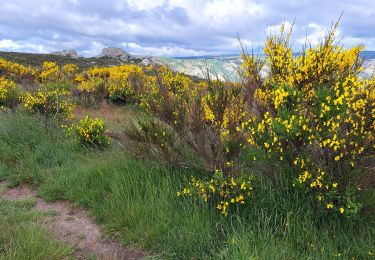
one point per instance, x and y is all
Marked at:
(73, 225)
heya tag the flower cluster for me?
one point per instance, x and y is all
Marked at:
(15, 71)
(50, 72)
(51, 103)
(328, 193)
(69, 72)
(91, 132)
(221, 190)
(211, 111)
(9, 94)
(319, 116)
(169, 95)
(124, 82)
(117, 82)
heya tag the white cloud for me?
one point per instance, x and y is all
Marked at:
(275, 29)
(314, 37)
(224, 10)
(162, 50)
(93, 50)
(145, 4)
(10, 45)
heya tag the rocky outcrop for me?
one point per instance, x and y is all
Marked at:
(66, 53)
(147, 61)
(120, 54)
(115, 53)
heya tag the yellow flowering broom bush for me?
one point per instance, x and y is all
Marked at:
(90, 88)
(123, 82)
(52, 104)
(220, 190)
(91, 85)
(205, 119)
(50, 72)
(9, 94)
(69, 72)
(15, 71)
(319, 117)
(156, 140)
(91, 132)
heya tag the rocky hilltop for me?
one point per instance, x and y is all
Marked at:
(115, 53)
(120, 54)
(66, 53)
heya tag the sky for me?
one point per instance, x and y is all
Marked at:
(176, 27)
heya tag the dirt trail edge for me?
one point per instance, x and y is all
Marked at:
(74, 226)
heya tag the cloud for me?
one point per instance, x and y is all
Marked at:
(162, 50)
(145, 4)
(275, 29)
(315, 35)
(175, 27)
(10, 45)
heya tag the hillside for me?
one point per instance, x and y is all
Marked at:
(279, 165)
(32, 59)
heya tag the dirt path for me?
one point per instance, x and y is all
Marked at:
(73, 226)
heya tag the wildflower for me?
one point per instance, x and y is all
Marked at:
(92, 132)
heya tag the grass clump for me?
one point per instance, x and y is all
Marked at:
(23, 237)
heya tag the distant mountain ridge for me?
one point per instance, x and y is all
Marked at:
(363, 54)
(368, 54)
(226, 66)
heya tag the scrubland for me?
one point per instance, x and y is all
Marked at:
(278, 165)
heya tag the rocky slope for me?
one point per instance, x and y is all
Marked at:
(222, 68)
(226, 67)
(66, 53)
(108, 57)
(120, 54)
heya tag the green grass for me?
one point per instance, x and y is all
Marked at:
(23, 237)
(136, 201)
